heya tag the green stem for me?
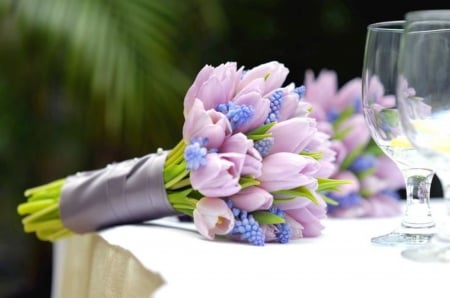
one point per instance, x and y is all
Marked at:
(57, 184)
(183, 183)
(248, 181)
(34, 206)
(176, 154)
(59, 234)
(175, 180)
(52, 235)
(54, 224)
(39, 214)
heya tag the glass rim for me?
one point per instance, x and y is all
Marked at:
(431, 14)
(396, 25)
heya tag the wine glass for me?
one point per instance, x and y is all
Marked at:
(379, 76)
(423, 90)
(442, 173)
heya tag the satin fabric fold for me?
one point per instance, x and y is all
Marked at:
(125, 192)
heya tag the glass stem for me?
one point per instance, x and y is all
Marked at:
(418, 210)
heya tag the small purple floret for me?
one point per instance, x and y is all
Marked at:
(283, 232)
(247, 227)
(237, 114)
(263, 146)
(276, 100)
(195, 154)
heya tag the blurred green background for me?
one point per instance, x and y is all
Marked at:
(87, 82)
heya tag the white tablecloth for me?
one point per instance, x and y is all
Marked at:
(178, 262)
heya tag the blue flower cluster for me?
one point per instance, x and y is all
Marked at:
(283, 230)
(246, 227)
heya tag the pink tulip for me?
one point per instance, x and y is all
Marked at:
(292, 135)
(387, 170)
(219, 177)
(269, 232)
(359, 134)
(291, 104)
(284, 170)
(381, 205)
(341, 151)
(213, 217)
(322, 90)
(252, 198)
(273, 73)
(372, 184)
(239, 143)
(354, 211)
(309, 217)
(328, 102)
(210, 125)
(348, 94)
(320, 142)
(260, 105)
(323, 93)
(213, 86)
(325, 126)
(295, 226)
(252, 164)
(377, 92)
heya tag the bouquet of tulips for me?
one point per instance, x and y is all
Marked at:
(252, 166)
(376, 179)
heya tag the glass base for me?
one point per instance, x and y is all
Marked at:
(428, 253)
(402, 239)
(437, 250)
(406, 237)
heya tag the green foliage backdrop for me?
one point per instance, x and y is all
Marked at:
(84, 83)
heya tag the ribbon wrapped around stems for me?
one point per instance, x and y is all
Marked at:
(121, 193)
(252, 165)
(125, 192)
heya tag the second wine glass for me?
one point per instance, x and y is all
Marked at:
(379, 76)
(423, 96)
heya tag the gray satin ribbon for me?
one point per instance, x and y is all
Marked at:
(125, 192)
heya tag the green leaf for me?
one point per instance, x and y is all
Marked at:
(301, 191)
(341, 134)
(365, 193)
(182, 204)
(389, 117)
(373, 148)
(317, 155)
(344, 115)
(329, 200)
(248, 181)
(260, 130)
(178, 196)
(256, 137)
(351, 157)
(283, 200)
(328, 184)
(366, 173)
(266, 217)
